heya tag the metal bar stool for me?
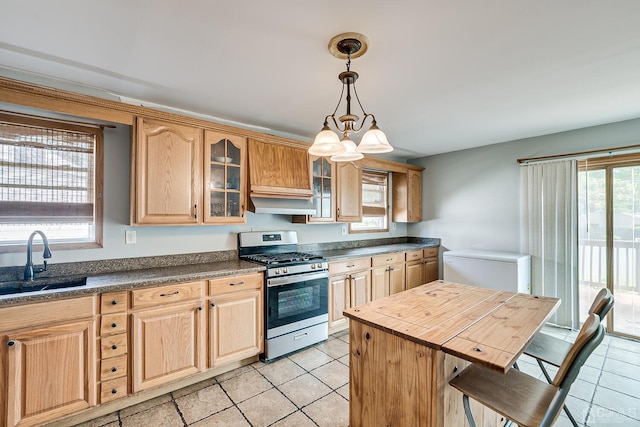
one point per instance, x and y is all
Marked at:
(552, 350)
(521, 398)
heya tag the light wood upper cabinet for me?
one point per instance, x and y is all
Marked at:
(278, 169)
(323, 178)
(225, 161)
(50, 370)
(349, 192)
(407, 196)
(235, 318)
(167, 173)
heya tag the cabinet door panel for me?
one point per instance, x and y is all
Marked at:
(396, 278)
(235, 327)
(379, 282)
(430, 270)
(349, 192)
(51, 372)
(168, 173)
(415, 274)
(167, 344)
(360, 288)
(339, 296)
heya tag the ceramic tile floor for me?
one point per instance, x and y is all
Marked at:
(310, 388)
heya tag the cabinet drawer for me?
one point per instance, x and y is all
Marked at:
(113, 389)
(349, 265)
(224, 285)
(166, 294)
(430, 252)
(387, 259)
(113, 302)
(113, 324)
(112, 346)
(115, 367)
(413, 255)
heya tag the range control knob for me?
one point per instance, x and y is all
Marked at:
(277, 271)
(285, 270)
(319, 265)
(313, 266)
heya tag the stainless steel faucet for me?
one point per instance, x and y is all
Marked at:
(29, 271)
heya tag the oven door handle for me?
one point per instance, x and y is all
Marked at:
(279, 281)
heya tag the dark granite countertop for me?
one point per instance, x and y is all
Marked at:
(150, 271)
(339, 254)
(132, 279)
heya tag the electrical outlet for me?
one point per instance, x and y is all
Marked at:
(344, 230)
(393, 225)
(129, 237)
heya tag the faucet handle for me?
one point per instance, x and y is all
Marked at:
(44, 262)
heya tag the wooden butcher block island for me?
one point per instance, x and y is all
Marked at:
(405, 348)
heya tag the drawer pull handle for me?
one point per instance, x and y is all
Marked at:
(114, 369)
(11, 343)
(114, 347)
(172, 293)
(114, 325)
(351, 265)
(389, 259)
(300, 336)
(114, 391)
(236, 284)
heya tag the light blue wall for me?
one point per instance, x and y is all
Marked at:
(471, 198)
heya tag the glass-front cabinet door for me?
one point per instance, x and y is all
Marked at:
(224, 169)
(324, 190)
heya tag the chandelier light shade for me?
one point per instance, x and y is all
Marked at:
(327, 142)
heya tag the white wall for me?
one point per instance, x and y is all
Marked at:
(471, 197)
(174, 239)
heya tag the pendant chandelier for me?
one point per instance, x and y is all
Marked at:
(327, 142)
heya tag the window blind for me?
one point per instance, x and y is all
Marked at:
(374, 193)
(47, 174)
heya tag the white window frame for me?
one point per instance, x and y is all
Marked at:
(373, 211)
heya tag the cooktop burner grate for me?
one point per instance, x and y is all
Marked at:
(280, 258)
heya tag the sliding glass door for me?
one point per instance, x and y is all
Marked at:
(609, 238)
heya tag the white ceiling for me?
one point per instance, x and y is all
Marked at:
(439, 75)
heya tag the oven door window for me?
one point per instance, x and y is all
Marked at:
(296, 301)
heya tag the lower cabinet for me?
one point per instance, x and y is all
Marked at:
(168, 334)
(414, 269)
(235, 318)
(349, 286)
(431, 265)
(387, 275)
(47, 371)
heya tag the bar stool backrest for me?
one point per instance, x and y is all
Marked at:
(602, 303)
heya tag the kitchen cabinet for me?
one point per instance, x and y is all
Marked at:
(235, 318)
(224, 178)
(407, 196)
(113, 357)
(349, 286)
(168, 334)
(414, 268)
(349, 192)
(431, 272)
(387, 275)
(167, 173)
(323, 181)
(47, 360)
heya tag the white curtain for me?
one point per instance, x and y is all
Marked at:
(549, 233)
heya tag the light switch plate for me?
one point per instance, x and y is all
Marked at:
(129, 237)
(344, 230)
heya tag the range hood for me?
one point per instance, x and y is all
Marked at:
(271, 205)
(279, 179)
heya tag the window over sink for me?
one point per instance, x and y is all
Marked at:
(375, 203)
(50, 180)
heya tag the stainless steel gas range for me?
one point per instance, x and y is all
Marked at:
(296, 291)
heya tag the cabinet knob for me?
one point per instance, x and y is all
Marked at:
(11, 343)
(114, 325)
(114, 302)
(114, 369)
(114, 391)
(114, 347)
(199, 308)
(213, 304)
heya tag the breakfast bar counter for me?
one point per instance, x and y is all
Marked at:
(404, 349)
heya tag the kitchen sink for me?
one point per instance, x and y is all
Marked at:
(21, 287)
